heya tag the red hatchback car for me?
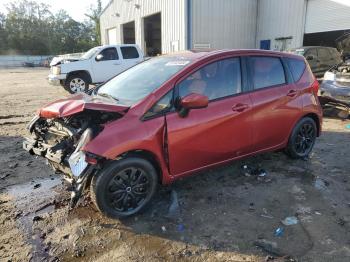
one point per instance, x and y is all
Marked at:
(175, 115)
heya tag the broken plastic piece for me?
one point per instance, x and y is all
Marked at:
(288, 221)
(279, 232)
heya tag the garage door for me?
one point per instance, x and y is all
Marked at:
(112, 36)
(327, 15)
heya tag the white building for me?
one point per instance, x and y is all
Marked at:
(163, 26)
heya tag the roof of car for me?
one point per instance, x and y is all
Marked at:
(202, 53)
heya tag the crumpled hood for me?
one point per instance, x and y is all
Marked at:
(61, 60)
(79, 103)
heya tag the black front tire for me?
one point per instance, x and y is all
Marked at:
(125, 187)
(302, 139)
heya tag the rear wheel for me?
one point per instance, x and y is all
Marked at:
(303, 138)
(77, 83)
(124, 188)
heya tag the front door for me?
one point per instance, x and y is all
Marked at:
(106, 65)
(220, 132)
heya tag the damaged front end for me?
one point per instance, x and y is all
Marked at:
(61, 141)
(336, 84)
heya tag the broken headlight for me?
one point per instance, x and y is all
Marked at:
(56, 70)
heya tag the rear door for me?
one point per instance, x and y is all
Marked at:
(275, 101)
(220, 132)
(130, 57)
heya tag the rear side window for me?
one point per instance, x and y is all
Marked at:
(267, 71)
(129, 52)
(297, 67)
(311, 52)
(323, 53)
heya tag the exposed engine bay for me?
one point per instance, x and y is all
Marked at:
(60, 141)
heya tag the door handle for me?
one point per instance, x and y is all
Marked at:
(292, 93)
(240, 107)
(116, 64)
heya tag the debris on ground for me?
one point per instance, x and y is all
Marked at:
(5, 175)
(266, 214)
(37, 218)
(288, 221)
(253, 171)
(37, 186)
(341, 222)
(180, 228)
(279, 232)
(321, 184)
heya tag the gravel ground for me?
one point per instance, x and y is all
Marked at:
(223, 215)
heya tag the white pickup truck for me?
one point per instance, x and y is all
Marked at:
(97, 65)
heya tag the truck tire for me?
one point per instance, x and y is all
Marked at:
(77, 83)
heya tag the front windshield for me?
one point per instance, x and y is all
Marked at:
(90, 53)
(139, 81)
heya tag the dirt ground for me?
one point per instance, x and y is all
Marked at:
(222, 214)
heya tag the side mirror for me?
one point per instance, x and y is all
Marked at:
(192, 101)
(99, 57)
(310, 57)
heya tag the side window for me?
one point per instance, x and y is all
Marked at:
(311, 52)
(323, 53)
(163, 105)
(297, 67)
(109, 54)
(216, 80)
(129, 52)
(266, 71)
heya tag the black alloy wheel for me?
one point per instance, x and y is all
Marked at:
(303, 138)
(125, 187)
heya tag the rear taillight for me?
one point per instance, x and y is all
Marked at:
(315, 86)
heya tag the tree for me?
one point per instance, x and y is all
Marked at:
(3, 33)
(94, 15)
(26, 26)
(31, 28)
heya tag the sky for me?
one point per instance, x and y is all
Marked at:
(75, 8)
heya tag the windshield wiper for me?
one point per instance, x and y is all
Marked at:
(108, 96)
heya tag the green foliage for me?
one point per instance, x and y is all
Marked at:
(94, 15)
(31, 28)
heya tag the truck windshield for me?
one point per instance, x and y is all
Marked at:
(134, 84)
(90, 53)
